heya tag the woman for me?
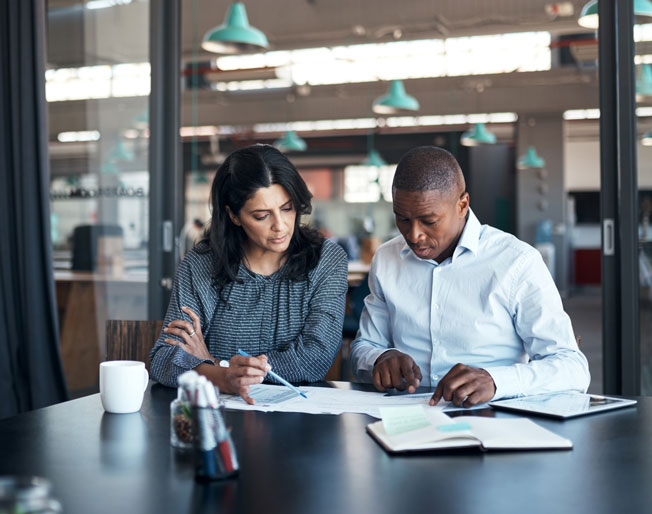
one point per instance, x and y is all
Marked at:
(259, 281)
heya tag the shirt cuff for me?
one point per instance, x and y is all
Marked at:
(506, 381)
(365, 371)
(185, 360)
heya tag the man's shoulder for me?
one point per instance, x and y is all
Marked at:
(388, 258)
(391, 248)
(497, 243)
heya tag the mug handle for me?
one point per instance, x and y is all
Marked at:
(146, 378)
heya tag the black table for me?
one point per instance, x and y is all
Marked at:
(301, 463)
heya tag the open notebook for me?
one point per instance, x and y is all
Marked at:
(435, 430)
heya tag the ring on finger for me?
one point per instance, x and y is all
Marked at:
(192, 333)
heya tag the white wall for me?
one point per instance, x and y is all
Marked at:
(582, 166)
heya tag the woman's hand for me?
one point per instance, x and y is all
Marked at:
(244, 372)
(190, 333)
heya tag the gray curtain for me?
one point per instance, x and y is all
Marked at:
(31, 374)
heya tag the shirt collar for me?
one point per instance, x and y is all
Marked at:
(469, 240)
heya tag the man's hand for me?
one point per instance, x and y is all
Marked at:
(398, 370)
(465, 386)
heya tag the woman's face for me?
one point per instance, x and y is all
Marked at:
(267, 219)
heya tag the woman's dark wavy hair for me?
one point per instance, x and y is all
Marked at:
(237, 179)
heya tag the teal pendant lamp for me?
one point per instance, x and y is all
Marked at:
(290, 142)
(109, 168)
(120, 152)
(395, 101)
(646, 140)
(199, 177)
(589, 13)
(530, 160)
(374, 159)
(644, 82)
(478, 135)
(235, 35)
(72, 180)
(141, 121)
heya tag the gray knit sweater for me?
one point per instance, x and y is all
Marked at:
(297, 324)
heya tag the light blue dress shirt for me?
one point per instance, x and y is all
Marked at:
(491, 305)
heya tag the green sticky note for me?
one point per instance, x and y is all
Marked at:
(454, 427)
(397, 420)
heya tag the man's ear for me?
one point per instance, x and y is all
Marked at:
(463, 204)
(233, 217)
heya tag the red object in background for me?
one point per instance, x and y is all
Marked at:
(319, 182)
(587, 266)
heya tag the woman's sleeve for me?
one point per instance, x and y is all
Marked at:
(167, 361)
(311, 355)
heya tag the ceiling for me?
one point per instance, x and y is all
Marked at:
(78, 37)
(309, 23)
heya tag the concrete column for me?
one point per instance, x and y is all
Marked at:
(540, 193)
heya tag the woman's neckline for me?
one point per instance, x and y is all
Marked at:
(255, 274)
(247, 264)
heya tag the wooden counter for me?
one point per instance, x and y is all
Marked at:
(85, 300)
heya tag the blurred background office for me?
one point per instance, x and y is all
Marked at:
(145, 98)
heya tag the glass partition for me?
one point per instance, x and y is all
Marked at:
(643, 63)
(97, 87)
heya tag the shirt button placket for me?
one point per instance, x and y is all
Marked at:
(436, 324)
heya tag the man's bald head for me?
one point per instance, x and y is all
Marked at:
(429, 168)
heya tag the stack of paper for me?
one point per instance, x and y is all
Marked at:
(324, 400)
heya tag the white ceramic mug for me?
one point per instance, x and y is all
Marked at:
(122, 385)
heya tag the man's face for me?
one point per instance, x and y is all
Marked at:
(430, 221)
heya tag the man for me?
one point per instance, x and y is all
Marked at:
(463, 306)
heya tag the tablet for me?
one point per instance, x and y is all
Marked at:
(562, 405)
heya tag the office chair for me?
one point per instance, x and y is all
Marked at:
(131, 339)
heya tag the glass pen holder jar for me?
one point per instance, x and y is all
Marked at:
(215, 455)
(182, 434)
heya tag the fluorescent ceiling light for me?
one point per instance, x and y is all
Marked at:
(594, 114)
(75, 137)
(103, 4)
(582, 114)
(202, 130)
(103, 81)
(394, 121)
(400, 60)
(253, 85)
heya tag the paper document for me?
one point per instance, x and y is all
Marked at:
(268, 396)
(325, 400)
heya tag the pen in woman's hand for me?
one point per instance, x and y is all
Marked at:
(275, 376)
